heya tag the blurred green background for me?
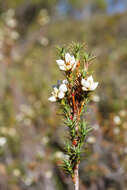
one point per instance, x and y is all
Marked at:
(32, 136)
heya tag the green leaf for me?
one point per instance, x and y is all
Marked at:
(86, 56)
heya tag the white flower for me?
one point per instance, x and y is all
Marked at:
(59, 155)
(44, 41)
(52, 99)
(11, 22)
(65, 81)
(9, 13)
(68, 64)
(91, 139)
(48, 174)
(117, 120)
(3, 141)
(89, 84)
(45, 140)
(28, 180)
(14, 35)
(16, 172)
(58, 93)
(63, 88)
(95, 98)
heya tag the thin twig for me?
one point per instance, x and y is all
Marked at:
(76, 177)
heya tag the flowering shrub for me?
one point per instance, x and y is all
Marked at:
(73, 94)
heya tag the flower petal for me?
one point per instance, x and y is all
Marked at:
(55, 90)
(67, 57)
(52, 99)
(87, 84)
(83, 81)
(90, 79)
(74, 66)
(62, 68)
(61, 95)
(72, 60)
(63, 88)
(94, 86)
(65, 81)
(60, 62)
(84, 88)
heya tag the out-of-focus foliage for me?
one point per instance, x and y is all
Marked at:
(79, 4)
(16, 3)
(31, 135)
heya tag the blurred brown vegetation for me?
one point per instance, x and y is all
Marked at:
(32, 136)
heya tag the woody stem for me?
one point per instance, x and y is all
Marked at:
(76, 177)
(76, 168)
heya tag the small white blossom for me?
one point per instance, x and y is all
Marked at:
(91, 140)
(89, 84)
(10, 13)
(68, 64)
(95, 98)
(14, 35)
(58, 93)
(3, 141)
(16, 172)
(44, 41)
(59, 155)
(11, 22)
(65, 81)
(63, 88)
(45, 140)
(43, 17)
(48, 174)
(117, 120)
(28, 181)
